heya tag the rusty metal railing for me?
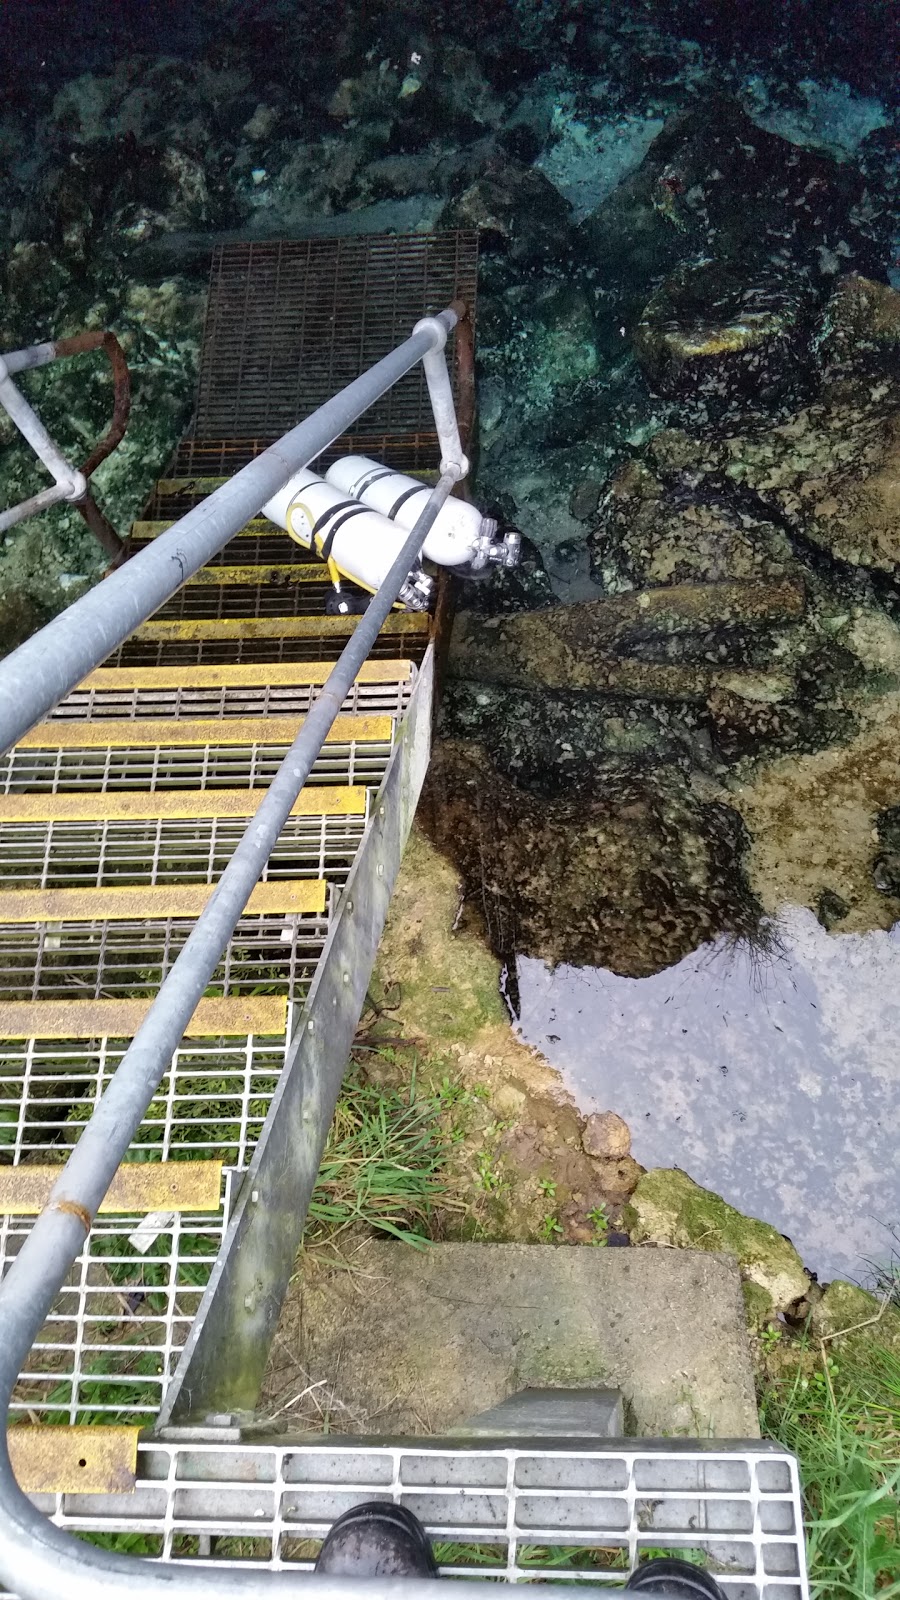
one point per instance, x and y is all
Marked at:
(70, 483)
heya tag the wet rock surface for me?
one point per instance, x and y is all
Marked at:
(668, 1208)
(630, 875)
(742, 659)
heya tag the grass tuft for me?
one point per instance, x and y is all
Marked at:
(842, 1420)
(385, 1163)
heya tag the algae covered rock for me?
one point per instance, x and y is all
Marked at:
(668, 1208)
(651, 531)
(846, 1308)
(515, 208)
(725, 344)
(629, 874)
(859, 328)
(833, 473)
(715, 185)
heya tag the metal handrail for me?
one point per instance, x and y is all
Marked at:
(39, 1561)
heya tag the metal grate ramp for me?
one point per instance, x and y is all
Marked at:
(278, 341)
(118, 813)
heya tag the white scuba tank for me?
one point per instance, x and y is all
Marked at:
(362, 544)
(459, 531)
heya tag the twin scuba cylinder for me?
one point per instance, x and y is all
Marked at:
(357, 519)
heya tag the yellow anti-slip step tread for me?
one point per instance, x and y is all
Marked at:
(80, 1460)
(123, 733)
(172, 805)
(257, 528)
(138, 1188)
(272, 675)
(120, 1019)
(143, 902)
(295, 572)
(400, 624)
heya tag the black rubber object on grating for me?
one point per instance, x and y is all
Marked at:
(291, 322)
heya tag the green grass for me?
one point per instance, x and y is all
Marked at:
(385, 1163)
(841, 1417)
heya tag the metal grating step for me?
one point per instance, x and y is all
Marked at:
(277, 640)
(144, 805)
(199, 461)
(286, 598)
(492, 1512)
(192, 766)
(113, 851)
(111, 1342)
(129, 733)
(230, 691)
(120, 1019)
(101, 960)
(211, 1101)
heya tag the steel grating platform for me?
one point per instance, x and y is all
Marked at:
(532, 1515)
(290, 323)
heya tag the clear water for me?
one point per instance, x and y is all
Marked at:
(771, 1077)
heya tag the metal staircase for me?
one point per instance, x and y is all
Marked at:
(117, 816)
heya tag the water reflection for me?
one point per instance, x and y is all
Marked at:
(769, 1076)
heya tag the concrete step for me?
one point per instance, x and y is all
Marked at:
(419, 1341)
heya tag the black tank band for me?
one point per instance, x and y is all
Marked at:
(354, 511)
(418, 488)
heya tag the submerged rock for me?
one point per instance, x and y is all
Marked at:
(580, 646)
(629, 876)
(725, 345)
(668, 1208)
(859, 331)
(659, 528)
(714, 184)
(515, 208)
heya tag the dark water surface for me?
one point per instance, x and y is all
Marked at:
(770, 1077)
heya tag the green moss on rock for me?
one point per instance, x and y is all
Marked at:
(667, 1207)
(844, 1307)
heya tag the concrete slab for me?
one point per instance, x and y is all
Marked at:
(412, 1342)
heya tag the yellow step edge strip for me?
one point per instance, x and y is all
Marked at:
(257, 528)
(120, 1019)
(138, 1188)
(400, 624)
(194, 485)
(268, 674)
(122, 733)
(298, 572)
(173, 805)
(82, 1460)
(145, 902)
(199, 485)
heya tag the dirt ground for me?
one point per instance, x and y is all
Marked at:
(529, 1175)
